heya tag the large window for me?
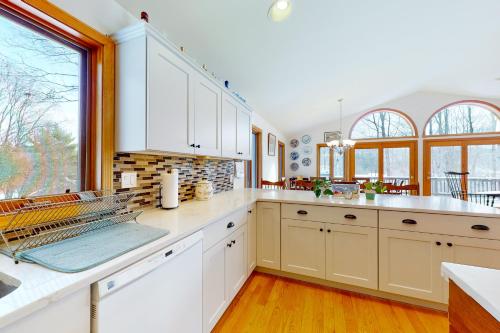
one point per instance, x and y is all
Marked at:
(329, 165)
(384, 123)
(42, 111)
(464, 118)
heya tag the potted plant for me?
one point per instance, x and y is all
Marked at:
(322, 187)
(374, 187)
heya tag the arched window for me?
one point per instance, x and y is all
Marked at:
(383, 123)
(465, 117)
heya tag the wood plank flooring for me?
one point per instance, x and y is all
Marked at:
(273, 304)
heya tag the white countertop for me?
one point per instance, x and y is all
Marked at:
(479, 283)
(41, 286)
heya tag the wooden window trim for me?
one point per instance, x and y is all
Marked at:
(399, 112)
(380, 145)
(100, 87)
(258, 132)
(463, 142)
(332, 169)
(282, 157)
(485, 104)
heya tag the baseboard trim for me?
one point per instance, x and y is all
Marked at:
(358, 290)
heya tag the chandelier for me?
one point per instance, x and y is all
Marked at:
(335, 140)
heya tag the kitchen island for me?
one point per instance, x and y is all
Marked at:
(416, 224)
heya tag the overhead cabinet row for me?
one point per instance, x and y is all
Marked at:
(166, 104)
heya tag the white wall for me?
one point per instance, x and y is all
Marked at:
(418, 106)
(106, 16)
(269, 163)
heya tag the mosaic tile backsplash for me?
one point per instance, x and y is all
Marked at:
(149, 168)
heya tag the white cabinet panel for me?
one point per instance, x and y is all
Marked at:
(170, 113)
(352, 255)
(207, 110)
(229, 114)
(268, 235)
(215, 299)
(410, 264)
(236, 259)
(244, 124)
(303, 247)
(252, 238)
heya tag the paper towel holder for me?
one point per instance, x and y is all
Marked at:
(166, 203)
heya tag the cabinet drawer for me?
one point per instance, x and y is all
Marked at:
(225, 226)
(478, 227)
(341, 215)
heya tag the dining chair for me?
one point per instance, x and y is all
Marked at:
(304, 185)
(482, 199)
(457, 184)
(269, 185)
(411, 189)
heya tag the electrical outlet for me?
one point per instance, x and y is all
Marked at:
(129, 179)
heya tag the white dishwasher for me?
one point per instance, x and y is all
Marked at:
(159, 294)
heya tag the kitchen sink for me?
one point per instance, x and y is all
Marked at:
(7, 284)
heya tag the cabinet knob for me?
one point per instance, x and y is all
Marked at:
(438, 243)
(321, 229)
(192, 145)
(233, 242)
(350, 216)
(198, 146)
(250, 211)
(328, 230)
(480, 227)
(302, 212)
(409, 221)
(449, 244)
(229, 245)
(230, 225)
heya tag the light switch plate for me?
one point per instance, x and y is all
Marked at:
(129, 179)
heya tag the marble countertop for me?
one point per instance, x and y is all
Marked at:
(479, 283)
(41, 286)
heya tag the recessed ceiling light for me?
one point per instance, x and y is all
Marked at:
(279, 10)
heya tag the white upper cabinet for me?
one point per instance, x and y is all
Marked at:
(170, 107)
(166, 103)
(207, 116)
(244, 130)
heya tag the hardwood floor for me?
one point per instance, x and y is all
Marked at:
(273, 304)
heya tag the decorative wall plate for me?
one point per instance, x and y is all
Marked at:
(294, 155)
(307, 150)
(294, 143)
(306, 139)
(306, 161)
(294, 166)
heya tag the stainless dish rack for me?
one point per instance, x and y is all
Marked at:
(34, 222)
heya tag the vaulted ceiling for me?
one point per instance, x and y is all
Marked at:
(367, 52)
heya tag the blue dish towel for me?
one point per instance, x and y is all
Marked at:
(94, 248)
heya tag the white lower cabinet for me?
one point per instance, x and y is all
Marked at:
(351, 255)
(268, 235)
(252, 238)
(224, 273)
(303, 247)
(410, 264)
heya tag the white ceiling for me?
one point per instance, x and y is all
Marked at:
(366, 51)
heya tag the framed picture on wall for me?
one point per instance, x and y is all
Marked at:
(271, 144)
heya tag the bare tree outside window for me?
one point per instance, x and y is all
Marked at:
(39, 112)
(382, 124)
(463, 119)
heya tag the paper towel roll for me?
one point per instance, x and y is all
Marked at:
(170, 189)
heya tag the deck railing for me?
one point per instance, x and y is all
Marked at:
(439, 185)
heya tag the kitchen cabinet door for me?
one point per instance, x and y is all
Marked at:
(252, 238)
(410, 264)
(228, 128)
(303, 247)
(236, 262)
(244, 125)
(215, 298)
(352, 255)
(170, 125)
(207, 115)
(471, 251)
(268, 235)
